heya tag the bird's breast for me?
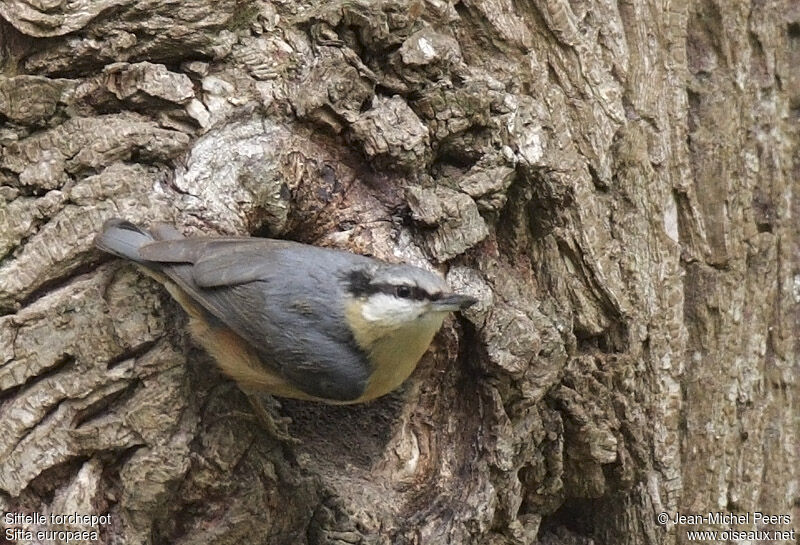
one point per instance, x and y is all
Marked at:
(395, 355)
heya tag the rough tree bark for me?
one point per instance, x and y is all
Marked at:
(616, 182)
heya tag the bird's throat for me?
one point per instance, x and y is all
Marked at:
(394, 354)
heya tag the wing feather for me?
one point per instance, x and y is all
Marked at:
(284, 298)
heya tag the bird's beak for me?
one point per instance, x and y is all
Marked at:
(450, 302)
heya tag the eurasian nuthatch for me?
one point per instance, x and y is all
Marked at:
(291, 319)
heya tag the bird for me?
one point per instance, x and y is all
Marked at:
(291, 319)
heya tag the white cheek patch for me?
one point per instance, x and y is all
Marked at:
(388, 309)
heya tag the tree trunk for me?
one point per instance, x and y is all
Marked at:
(616, 182)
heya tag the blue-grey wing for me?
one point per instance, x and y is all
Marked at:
(224, 261)
(303, 337)
(283, 298)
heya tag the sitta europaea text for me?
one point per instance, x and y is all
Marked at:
(290, 319)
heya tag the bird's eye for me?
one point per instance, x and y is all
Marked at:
(403, 292)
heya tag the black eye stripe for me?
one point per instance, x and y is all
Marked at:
(415, 292)
(358, 283)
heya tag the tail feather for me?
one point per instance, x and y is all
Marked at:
(123, 239)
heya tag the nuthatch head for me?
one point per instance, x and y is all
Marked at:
(290, 319)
